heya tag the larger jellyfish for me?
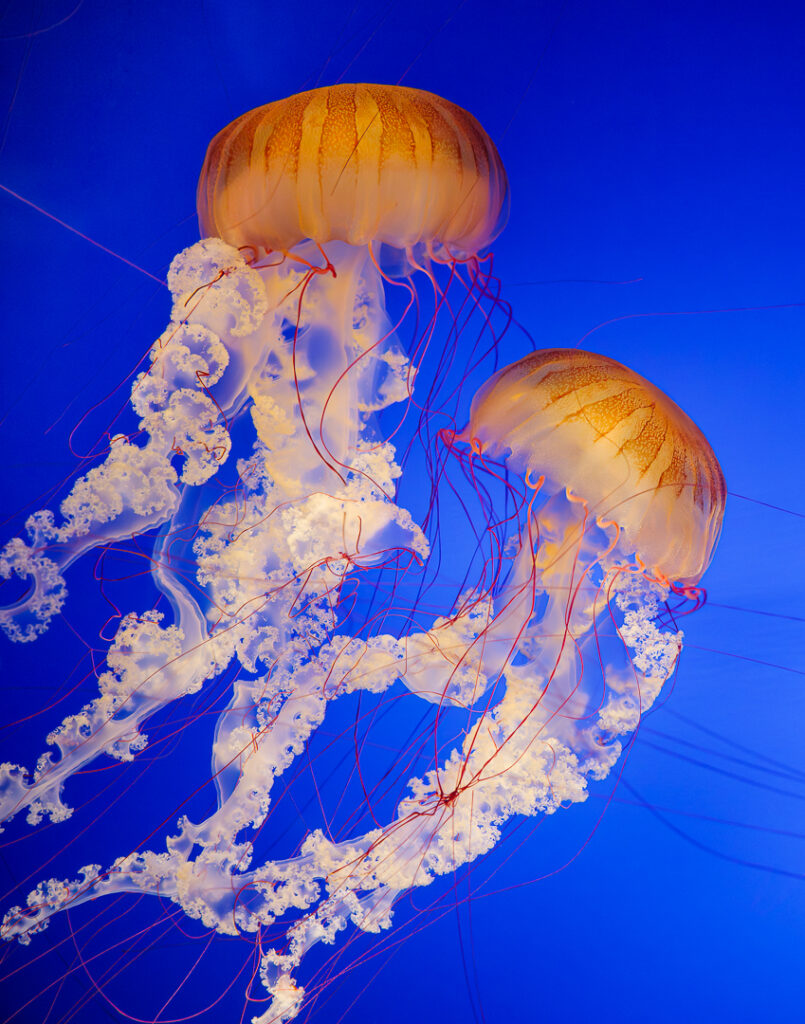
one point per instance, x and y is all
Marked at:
(596, 497)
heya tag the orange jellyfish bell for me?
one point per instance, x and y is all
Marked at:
(613, 439)
(355, 163)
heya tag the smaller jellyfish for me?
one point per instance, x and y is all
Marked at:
(615, 442)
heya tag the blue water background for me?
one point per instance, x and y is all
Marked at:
(655, 155)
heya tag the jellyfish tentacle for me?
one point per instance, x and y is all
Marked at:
(180, 400)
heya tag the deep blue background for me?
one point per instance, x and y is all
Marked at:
(653, 143)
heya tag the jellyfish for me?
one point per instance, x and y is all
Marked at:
(297, 342)
(597, 503)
